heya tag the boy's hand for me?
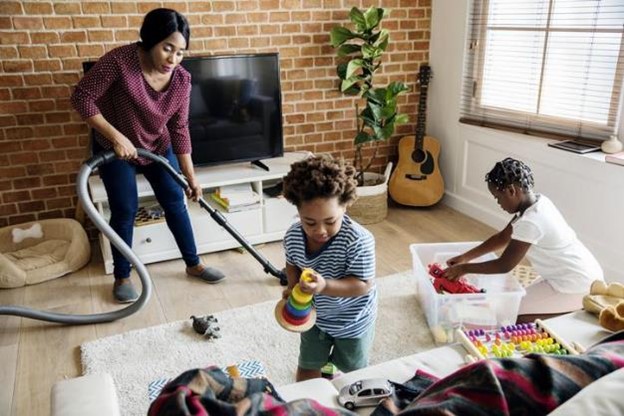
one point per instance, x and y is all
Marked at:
(454, 272)
(315, 284)
(286, 292)
(457, 260)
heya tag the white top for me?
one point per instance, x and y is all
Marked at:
(556, 253)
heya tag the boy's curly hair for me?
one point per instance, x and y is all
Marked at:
(320, 177)
(508, 172)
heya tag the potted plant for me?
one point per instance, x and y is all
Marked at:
(361, 50)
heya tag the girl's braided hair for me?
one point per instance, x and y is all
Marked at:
(508, 172)
(320, 177)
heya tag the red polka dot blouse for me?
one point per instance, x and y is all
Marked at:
(116, 88)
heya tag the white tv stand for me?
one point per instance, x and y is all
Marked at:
(154, 242)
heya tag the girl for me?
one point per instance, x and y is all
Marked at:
(539, 231)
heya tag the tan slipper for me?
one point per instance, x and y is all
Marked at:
(602, 295)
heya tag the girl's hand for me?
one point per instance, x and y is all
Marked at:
(315, 285)
(124, 149)
(454, 272)
(286, 292)
(194, 190)
(457, 260)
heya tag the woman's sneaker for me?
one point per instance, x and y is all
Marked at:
(124, 291)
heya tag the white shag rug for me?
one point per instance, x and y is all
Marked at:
(138, 357)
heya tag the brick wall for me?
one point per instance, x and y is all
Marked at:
(43, 44)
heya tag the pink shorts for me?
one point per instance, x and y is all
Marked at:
(541, 298)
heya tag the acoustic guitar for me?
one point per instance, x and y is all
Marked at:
(417, 180)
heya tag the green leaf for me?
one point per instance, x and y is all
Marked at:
(387, 131)
(373, 16)
(348, 83)
(341, 70)
(370, 52)
(348, 49)
(381, 40)
(397, 88)
(357, 17)
(353, 66)
(363, 137)
(340, 35)
(401, 119)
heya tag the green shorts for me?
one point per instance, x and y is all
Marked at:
(348, 354)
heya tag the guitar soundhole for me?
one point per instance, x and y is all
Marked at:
(418, 156)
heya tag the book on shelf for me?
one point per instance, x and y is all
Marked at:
(234, 198)
(617, 158)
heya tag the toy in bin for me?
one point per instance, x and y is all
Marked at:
(513, 341)
(443, 285)
(297, 314)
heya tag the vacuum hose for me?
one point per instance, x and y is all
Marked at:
(83, 196)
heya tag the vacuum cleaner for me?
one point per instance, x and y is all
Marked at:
(83, 196)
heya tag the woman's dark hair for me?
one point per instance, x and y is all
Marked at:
(158, 24)
(508, 172)
(320, 177)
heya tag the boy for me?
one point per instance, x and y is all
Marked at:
(342, 254)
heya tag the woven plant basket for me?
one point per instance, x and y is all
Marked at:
(371, 205)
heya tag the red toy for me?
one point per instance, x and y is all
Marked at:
(442, 284)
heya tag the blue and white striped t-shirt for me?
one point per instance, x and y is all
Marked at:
(351, 252)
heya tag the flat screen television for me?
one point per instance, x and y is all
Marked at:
(235, 110)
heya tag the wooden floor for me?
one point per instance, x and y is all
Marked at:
(34, 355)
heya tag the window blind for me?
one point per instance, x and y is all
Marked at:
(545, 67)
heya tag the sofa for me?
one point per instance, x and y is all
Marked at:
(96, 393)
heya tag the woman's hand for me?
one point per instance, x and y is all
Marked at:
(194, 190)
(454, 272)
(124, 149)
(315, 284)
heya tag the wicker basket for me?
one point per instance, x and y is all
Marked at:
(372, 204)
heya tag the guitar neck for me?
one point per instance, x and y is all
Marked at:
(421, 118)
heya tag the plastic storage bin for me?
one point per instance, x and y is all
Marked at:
(446, 313)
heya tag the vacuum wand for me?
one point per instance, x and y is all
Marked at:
(216, 215)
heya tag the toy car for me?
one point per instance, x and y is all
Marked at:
(442, 284)
(367, 392)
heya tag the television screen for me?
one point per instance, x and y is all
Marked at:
(235, 111)
(236, 108)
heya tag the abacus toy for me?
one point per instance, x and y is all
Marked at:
(513, 341)
(296, 313)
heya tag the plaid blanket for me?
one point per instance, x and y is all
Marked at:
(533, 385)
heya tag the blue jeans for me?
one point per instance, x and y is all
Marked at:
(119, 178)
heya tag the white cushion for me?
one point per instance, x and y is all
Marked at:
(603, 397)
(92, 395)
(319, 389)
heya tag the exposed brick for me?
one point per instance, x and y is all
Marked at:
(57, 117)
(44, 193)
(126, 35)
(145, 7)
(14, 38)
(32, 206)
(17, 65)
(62, 22)
(37, 8)
(8, 209)
(100, 35)
(20, 219)
(56, 91)
(5, 23)
(47, 65)
(15, 196)
(11, 7)
(86, 21)
(52, 180)
(74, 36)
(114, 21)
(123, 8)
(28, 23)
(40, 169)
(67, 8)
(41, 105)
(45, 38)
(61, 51)
(200, 6)
(8, 52)
(176, 5)
(64, 142)
(29, 119)
(99, 7)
